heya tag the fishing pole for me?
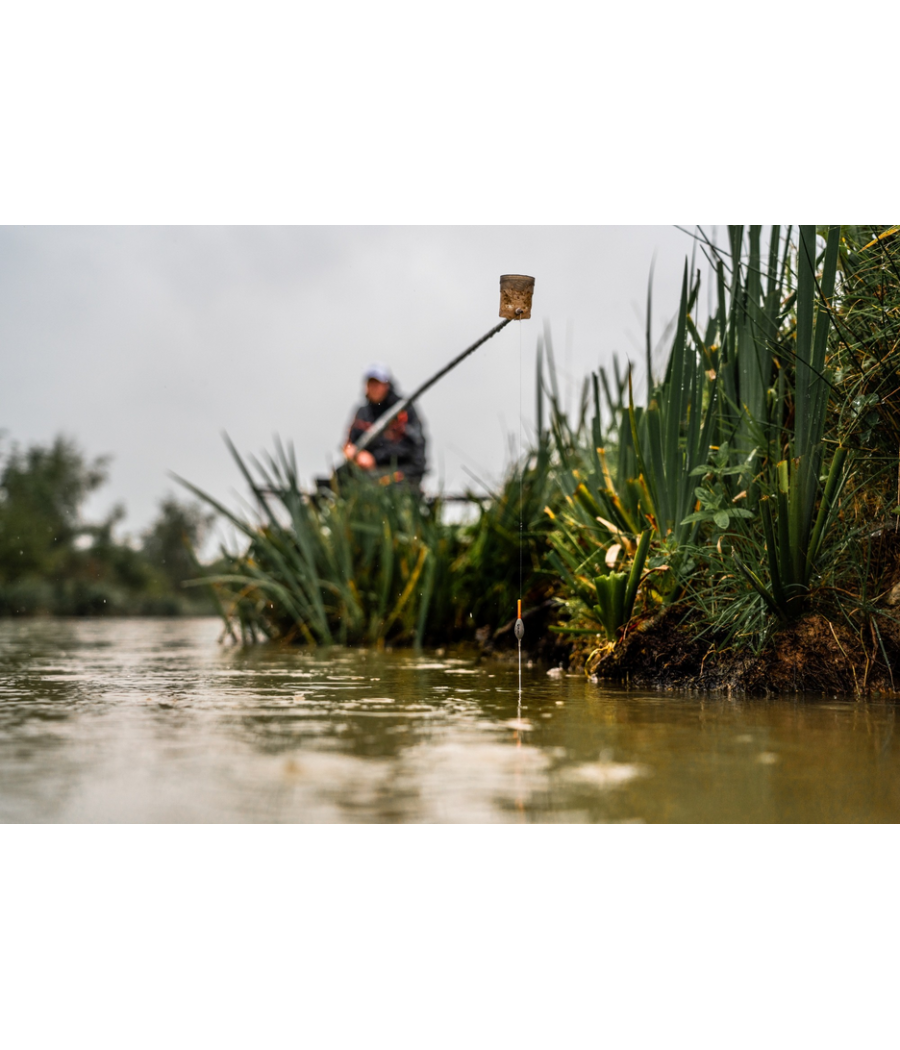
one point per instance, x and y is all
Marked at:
(515, 305)
(388, 418)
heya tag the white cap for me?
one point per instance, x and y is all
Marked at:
(380, 372)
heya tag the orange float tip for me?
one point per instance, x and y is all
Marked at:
(519, 614)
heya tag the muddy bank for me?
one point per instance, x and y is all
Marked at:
(813, 655)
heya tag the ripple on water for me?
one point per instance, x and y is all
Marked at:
(121, 721)
(468, 779)
(606, 774)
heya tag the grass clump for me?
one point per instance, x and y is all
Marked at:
(366, 563)
(762, 460)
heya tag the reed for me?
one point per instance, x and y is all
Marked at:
(364, 563)
(633, 500)
(738, 462)
(773, 359)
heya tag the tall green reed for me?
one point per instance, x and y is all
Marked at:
(373, 563)
(796, 501)
(730, 463)
(364, 562)
(641, 490)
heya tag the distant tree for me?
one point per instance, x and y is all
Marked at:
(45, 569)
(170, 542)
(42, 490)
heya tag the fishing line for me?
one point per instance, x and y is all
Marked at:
(515, 305)
(522, 473)
(520, 626)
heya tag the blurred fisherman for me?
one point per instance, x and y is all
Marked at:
(398, 453)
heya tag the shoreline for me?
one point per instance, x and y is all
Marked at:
(812, 656)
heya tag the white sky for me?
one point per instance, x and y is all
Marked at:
(148, 342)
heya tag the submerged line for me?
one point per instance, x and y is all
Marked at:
(519, 642)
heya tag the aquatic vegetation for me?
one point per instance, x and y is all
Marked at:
(748, 462)
(786, 485)
(866, 343)
(809, 474)
(649, 492)
(371, 563)
(616, 591)
(361, 562)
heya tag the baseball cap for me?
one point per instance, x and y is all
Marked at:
(380, 372)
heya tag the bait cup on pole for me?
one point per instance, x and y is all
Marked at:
(516, 291)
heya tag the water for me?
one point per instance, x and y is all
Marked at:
(151, 720)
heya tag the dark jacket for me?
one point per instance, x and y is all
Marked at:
(402, 442)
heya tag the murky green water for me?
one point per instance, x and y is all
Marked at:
(151, 720)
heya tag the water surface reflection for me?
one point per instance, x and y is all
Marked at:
(151, 720)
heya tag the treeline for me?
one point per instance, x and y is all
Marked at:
(54, 562)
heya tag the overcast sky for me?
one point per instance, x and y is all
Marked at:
(148, 342)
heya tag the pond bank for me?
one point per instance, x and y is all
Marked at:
(814, 655)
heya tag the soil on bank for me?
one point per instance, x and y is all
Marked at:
(813, 655)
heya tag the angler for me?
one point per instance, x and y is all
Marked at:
(397, 451)
(384, 406)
